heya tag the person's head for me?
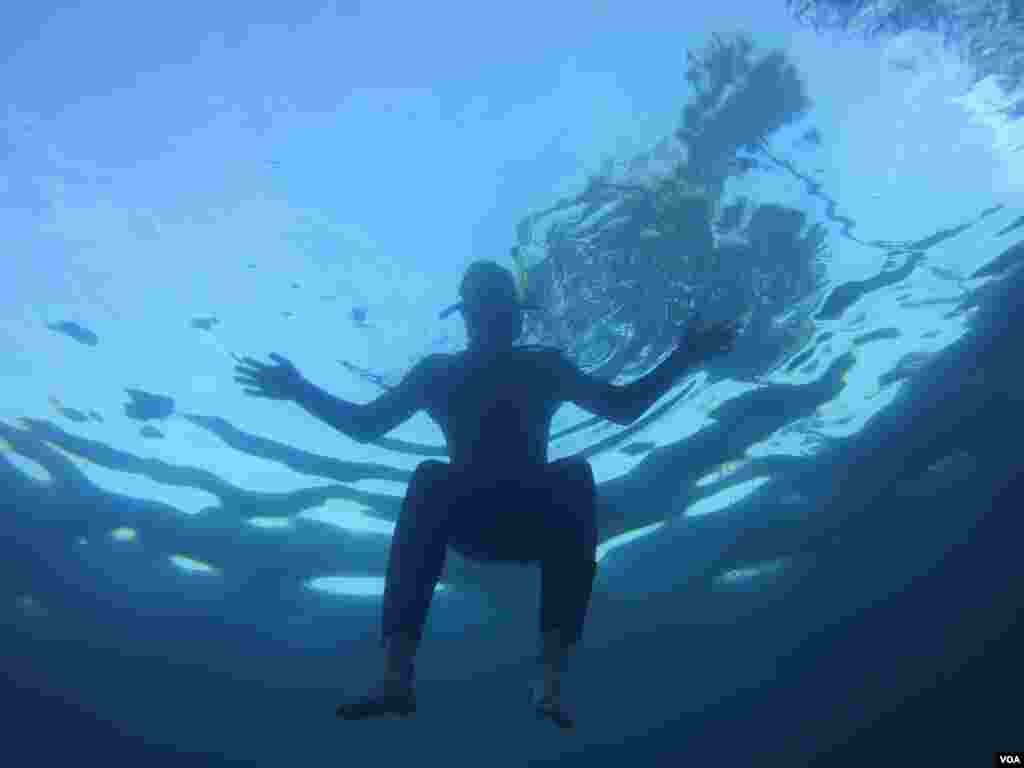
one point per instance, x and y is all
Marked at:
(490, 305)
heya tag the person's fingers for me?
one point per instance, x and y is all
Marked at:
(252, 361)
(247, 381)
(258, 393)
(278, 359)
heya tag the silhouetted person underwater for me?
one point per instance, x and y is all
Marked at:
(499, 499)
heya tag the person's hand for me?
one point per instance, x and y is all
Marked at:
(277, 382)
(702, 342)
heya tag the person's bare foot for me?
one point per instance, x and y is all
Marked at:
(385, 699)
(548, 706)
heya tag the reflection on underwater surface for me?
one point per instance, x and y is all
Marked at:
(794, 543)
(722, 540)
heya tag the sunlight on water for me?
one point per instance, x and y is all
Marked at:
(272, 523)
(124, 534)
(355, 586)
(608, 466)
(624, 538)
(725, 498)
(27, 467)
(183, 498)
(189, 565)
(216, 438)
(348, 515)
(881, 362)
(382, 487)
(721, 472)
(238, 468)
(741, 576)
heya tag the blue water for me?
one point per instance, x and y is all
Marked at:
(817, 563)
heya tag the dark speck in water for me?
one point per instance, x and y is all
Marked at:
(204, 323)
(73, 414)
(77, 332)
(145, 405)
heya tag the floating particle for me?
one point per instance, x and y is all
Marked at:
(124, 534)
(145, 405)
(67, 413)
(77, 332)
(204, 323)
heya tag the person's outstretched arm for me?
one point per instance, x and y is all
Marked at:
(626, 403)
(361, 422)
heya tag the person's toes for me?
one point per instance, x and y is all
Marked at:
(549, 709)
(379, 704)
(554, 712)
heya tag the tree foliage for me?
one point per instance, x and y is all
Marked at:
(989, 34)
(648, 241)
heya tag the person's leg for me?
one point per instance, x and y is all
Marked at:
(415, 561)
(568, 568)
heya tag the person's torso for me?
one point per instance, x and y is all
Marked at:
(496, 413)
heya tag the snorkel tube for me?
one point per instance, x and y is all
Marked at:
(459, 306)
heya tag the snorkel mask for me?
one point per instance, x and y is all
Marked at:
(487, 285)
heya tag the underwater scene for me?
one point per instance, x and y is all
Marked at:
(341, 340)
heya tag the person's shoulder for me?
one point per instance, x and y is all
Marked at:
(429, 367)
(429, 373)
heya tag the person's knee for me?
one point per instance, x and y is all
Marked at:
(586, 474)
(432, 470)
(429, 482)
(578, 477)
